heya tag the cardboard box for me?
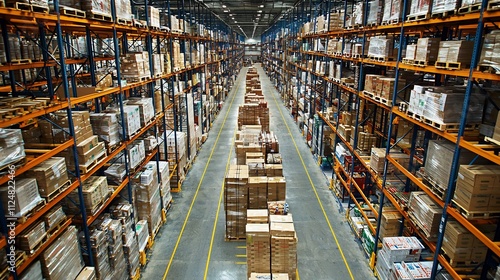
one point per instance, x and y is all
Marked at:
(470, 201)
(25, 199)
(87, 145)
(50, 175)
(80, 91)
(457, 236)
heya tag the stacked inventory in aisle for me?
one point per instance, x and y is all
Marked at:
(254, 188)
(405, 117)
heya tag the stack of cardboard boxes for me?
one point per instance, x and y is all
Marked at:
(271, 245)
(63, 248)
(135, 66)
(106, 127)
(397, 251)
(95, 192)
(425, 213)
(148, 198)
(50, 175)
(236, 201)
(476, 190)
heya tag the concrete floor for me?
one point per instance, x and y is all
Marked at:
(184, 248)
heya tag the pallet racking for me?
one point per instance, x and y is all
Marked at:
(316, 99)
(205, 78)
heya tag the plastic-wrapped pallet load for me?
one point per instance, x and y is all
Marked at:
(457, 52)
(106, 127)
(476, 189)
(439, 159)
(123, 9)
(33, 272)
(444, 6)
(142, 231)
(26, 198)
(427, 49)
(87, 273)
(50, 175)
(63, 248)
(97, 7)
(419, 7)
(146, 109)
(95, 192)
(11, 147)
(425, 213)
(374, 12)
(382, 47)
(490, 52)
(393, 10)
(267, 276)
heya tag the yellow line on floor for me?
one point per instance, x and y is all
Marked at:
(198, 189)
(241, 256)
(221, 195)
(297, 273)
(241, 247)
(314, 189)
(242, 263)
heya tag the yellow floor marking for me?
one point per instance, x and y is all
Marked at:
(197, 190)
(221, 195)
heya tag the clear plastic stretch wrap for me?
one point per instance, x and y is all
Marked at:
(490, 52)
(123, 9)
(34, 272)
(442, 6)
(439, 159)
(381, 46)
(411, 50)
(26, 197)
(466, 3)
(441, 105)
(393, 10)
(374, 12)
(142, 231)
(419, 7)
(64, 248)
(425, 213)
(102, 7)
(427, 49)
(11, 146)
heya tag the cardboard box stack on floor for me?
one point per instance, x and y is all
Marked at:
(271, 245)
(236, 201)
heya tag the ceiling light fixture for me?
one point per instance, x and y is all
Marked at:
(259, 11)
(261, 6)
(226, 11)
(224, 6)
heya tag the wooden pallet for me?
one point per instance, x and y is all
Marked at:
(40, 9)
(448, 126)
(386, 102)
(380, 58)
(32, 212)
(21, 257)
(414, 116)
(493, 69)
(98, 16)
(443, 14)
(57, 192)
(357, 55)
(38, 245)
(371, 24)
(72, 12)
(57, 227)
(434, 187)
(20, 61)
(234, 238)
(469, 9)
(449, 65)
(410, 18)
(407, 61)
(123, 21)
(84, 169)
(456, 263)
(475, 215)
(369, 94)
(491, 140)
(156, 230)
(493, 5)
(389, 22)
(422, 63)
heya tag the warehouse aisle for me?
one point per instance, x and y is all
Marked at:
(181, 250)
(187, 250)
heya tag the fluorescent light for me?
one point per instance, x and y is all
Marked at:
(259, 11)
(224, 6)
(261, 6)
(226, 11)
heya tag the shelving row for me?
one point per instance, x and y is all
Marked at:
(405, 112)
(98, 127)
